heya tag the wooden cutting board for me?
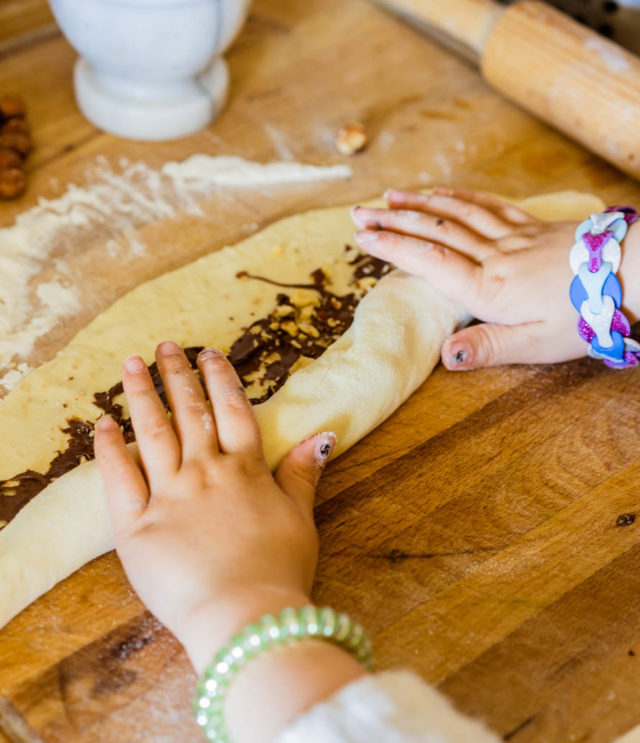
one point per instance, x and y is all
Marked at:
(474, 533)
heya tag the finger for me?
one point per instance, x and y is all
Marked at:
(473, 216)
(492, 345)
(126, 490)
(428, 226)
(192, 416)
(450, 272)
(157, 442)
(508, 212)
(299, 472)
(236, 424)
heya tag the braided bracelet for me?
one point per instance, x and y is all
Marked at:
(290, 625)
(596, 292)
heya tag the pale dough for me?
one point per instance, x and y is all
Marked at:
(362, 378)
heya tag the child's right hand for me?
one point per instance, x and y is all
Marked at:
(208, 538)
(506, 267)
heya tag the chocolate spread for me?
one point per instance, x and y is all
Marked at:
(262, 356)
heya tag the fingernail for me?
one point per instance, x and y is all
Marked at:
(104, 423)
(357, 216)
(325, 445)
(366, 236)
(168, 348)
(134, 364)
(209, 353)
(459, 355)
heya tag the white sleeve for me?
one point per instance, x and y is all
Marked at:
(389, 707)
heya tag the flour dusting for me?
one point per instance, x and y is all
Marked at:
(112, 207)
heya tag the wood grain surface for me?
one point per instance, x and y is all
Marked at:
(474, 533)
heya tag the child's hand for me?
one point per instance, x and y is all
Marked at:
(507, 268)
(208, 538)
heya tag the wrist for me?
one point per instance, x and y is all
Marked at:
(207, 627)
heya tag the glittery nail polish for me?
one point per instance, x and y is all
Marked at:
(459, 357)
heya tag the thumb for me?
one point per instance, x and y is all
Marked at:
(299, 472)
(493, 345)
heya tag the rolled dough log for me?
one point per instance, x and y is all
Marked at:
(390, 349)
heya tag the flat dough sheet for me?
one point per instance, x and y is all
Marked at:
(389, 350)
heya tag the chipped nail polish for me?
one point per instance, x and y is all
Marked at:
(460, 356)
(325, 446)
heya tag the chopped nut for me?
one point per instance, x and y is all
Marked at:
(17, 141)
(290, 327)
(367, 282)
(9, 158)
(336, 303)
(274, 326)
(16, 125)
(304, 298)
(332, 322)
(306, 313)
(12, 183)
(12, 105)
(309, 329)
(295, 344)
(282, 310)
(272, 358)
(351, 138)
(255, 329)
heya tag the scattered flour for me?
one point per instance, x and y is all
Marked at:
(116, 204)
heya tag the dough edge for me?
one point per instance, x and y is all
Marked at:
(67, 525)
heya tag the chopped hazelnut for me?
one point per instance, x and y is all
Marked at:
(11, 106)
(16, 125)
(282, 310)
(367, 282)
(17, 141)
(351, 139)
(274, 326)
(9, 158)
(304, 297)
(336, 303)
(306, 313)
(290, 327)
(12, 183)
(309, 329)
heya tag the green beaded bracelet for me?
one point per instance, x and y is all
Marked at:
(309, 622)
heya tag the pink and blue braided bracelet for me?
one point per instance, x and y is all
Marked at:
(596, 292)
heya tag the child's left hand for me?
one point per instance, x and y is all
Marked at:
(506, 267)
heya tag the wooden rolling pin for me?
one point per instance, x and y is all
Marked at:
(559, 70)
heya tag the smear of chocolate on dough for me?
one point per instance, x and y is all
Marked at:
(263, 357)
